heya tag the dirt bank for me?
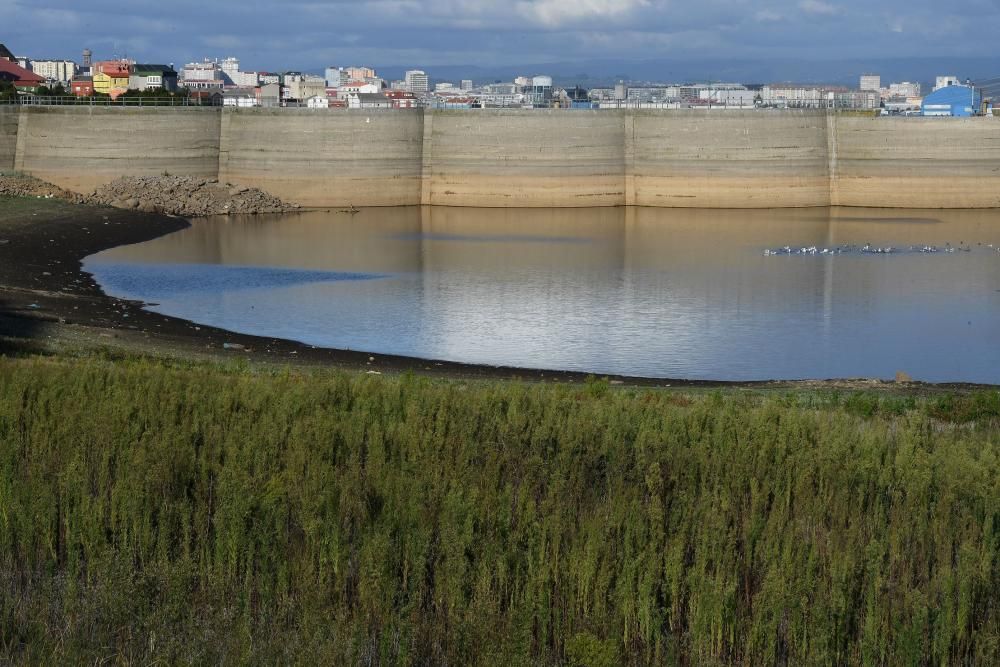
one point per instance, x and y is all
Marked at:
(186, 196)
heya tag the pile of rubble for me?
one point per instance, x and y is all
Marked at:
(20, 185)
(187, 196)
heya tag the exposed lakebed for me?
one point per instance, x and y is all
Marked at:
(679, 293)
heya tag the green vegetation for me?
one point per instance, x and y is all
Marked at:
(195, 513)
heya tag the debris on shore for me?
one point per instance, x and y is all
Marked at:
(188, 196)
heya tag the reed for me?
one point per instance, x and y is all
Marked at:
(177, 513)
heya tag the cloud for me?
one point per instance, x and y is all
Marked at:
(818, 7)
(555, 13)
(768, 16)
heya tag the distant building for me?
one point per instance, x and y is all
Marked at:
(88, 56)
(153, 77)
(318, 102)
(357, 87)
(952, 101)
(541, 90)
(22, 79)
(945, 81)
(82, 86)
(870, 82)
(230, 68)
(61, 71)
(402, 99)
(904, 89)
(241, 98)
(466, 84)
(443, 87)
(5, 54)
(417, 81)
(269, 95)
(303, 86)
(334, 76)
(111, 77)
(359, 73)
(368, 101)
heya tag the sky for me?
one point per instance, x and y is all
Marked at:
(274, 35)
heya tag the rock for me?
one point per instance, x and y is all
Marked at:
(132, 203)
(903, 376)
(147, 207)
(233, 346)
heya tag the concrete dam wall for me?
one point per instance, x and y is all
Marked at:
(523, 158)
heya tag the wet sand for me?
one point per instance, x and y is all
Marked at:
(49, 305)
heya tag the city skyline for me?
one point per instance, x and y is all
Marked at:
(491, 35)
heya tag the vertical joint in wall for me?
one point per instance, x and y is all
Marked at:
(630, 198)
(831, 159)
(426, 158)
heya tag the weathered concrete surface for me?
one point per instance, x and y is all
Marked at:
(8, 136)
(916, 162)
(83, 148)
(520, 158)
(730, 159)
(322, 158)
(524, 158)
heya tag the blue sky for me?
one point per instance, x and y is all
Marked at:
(487, 33)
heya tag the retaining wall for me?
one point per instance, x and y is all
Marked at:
(323, 158)
(81, 148)
(916, 162)
(8, 137)
(524, 158)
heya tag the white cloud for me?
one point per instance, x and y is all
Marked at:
(767, 16)
(554, 13)
(818, 7)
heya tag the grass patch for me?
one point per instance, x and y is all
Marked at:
(152, 511)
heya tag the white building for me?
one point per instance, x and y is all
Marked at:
(334, 76)
(318, 102)
(466, 84)
(904, 89)
(241, 98)
(417, 81)
(230, 68)
(304, 86)
(62, 71)
(870, 82)
(356, 88)
(368, 101)
(246, 79)
(444, 87)
(945, 81)
(204, 71)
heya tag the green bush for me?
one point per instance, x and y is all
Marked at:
(195, 514)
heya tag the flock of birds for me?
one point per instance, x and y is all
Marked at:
(869, 249)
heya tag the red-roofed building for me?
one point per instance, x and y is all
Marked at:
(20, 77)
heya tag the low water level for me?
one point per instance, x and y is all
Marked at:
(697, 294)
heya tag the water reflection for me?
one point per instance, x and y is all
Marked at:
(661, 292)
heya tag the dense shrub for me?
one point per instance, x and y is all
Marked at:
(205, 515)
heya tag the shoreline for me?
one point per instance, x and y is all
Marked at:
(48, 304)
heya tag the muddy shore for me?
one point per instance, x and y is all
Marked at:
(49, 305)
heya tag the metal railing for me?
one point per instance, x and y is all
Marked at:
(69, 100)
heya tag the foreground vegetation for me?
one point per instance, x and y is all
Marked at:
(215, 515)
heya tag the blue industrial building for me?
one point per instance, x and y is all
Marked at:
(952, 101)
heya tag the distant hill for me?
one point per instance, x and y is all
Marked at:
(605, 72)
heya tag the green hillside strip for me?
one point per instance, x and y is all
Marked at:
(203, 514)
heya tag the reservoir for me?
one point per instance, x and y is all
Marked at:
(671, 293)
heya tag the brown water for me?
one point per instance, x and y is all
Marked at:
(655, 292)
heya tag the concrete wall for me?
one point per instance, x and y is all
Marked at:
(916, 162)
(8, 136)
(729, 159)
(520, 158)
(81, 148)
(322, 158)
